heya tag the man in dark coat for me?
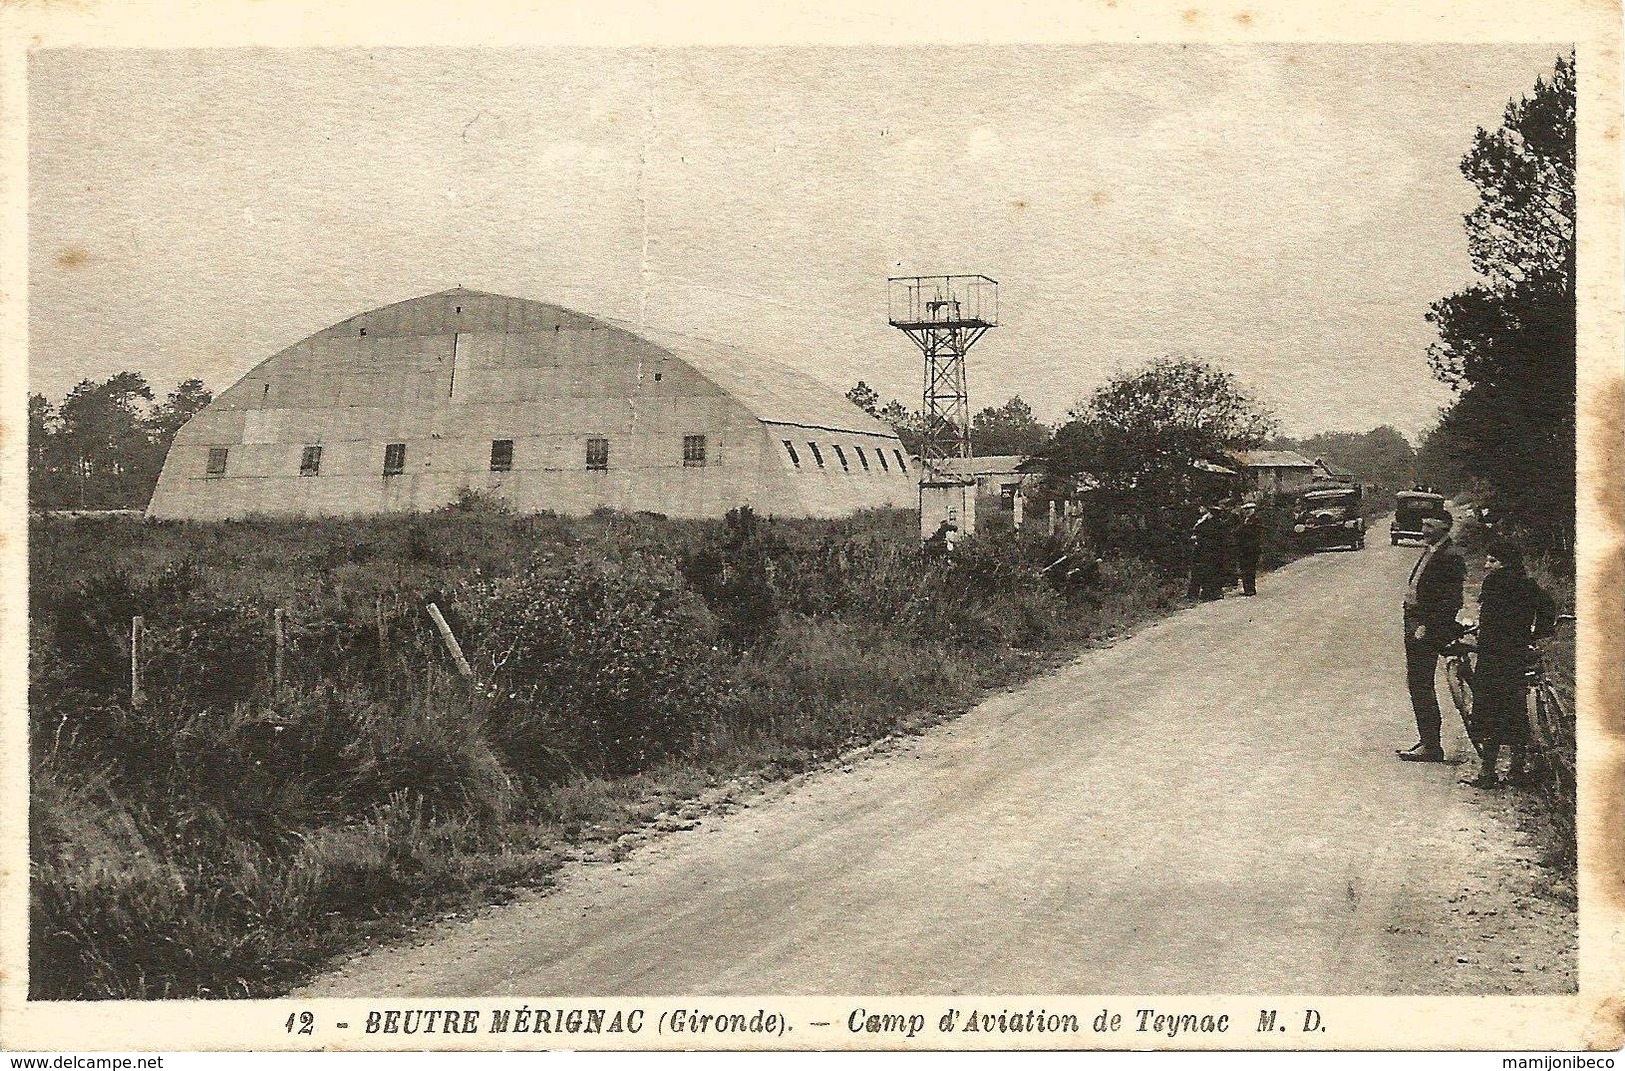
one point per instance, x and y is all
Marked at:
(1249, 547)
(1512, 613)
(1207, 557)
(1431, 602)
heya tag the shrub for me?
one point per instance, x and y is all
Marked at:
(733, 575)
(483, 503)
(608, 662)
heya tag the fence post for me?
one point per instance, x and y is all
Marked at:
(1052, 516)
(276, 656)
(138, 632)
(451, 643)
(383, 636)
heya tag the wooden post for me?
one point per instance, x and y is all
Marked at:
(276, 654)
(383, 635)
(451, 643)
(1015, 506)
(1052, 516)
(138, 632)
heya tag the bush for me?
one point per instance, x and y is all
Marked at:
(608, 661)
(733, 574)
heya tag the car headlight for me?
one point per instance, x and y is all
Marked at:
(1351, 524)
(1298, 528)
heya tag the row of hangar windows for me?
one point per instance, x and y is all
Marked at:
(694, 455)
(840, 455)
(310, 460)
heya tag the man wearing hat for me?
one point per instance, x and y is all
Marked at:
(1431, 603)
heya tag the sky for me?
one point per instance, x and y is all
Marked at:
(1286, 212)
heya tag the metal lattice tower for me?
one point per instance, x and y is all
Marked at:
(944, 315)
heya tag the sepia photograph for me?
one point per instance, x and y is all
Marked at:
(585, 524)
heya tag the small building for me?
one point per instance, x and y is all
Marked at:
(999, 485)
(405, 407)
(1275, 472)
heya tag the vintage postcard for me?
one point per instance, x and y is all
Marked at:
(919, 526)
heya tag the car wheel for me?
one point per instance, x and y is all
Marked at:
(1394, 540)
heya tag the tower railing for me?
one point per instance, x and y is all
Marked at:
(945, 315)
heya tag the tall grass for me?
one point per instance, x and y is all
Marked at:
(229, 834)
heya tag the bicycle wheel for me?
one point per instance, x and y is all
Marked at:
(1458, 675)
(1552, 730)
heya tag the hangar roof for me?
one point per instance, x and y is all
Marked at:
(774, 392)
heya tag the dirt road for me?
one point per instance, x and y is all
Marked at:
(1211, 805)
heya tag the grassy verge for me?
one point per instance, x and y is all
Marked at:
(258, 814)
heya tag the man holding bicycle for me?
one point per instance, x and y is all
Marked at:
(1513, 612)
(1431, 602)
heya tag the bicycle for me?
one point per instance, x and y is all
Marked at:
(1460, 659)
(1550, 722)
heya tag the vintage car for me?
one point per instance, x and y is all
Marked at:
(1328, 515)
(1410, 509)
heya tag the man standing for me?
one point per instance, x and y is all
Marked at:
(1207, 541)
(1431, 603)
(941, 542)
(1249, 547)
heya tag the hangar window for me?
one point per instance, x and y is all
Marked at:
(310, 462)
(841, 455)
(217, 461)
(900, 462)
(394, 459)
(863, 458)
(501, 453)
(598, 454)
(880, 455)
(818, 455)
(790, 448)
(694, 450)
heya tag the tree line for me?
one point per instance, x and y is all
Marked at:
(1381, 458)
(1010, 428)
(104, 444)
(1506, 343)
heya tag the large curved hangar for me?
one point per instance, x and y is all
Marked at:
(404, 407)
